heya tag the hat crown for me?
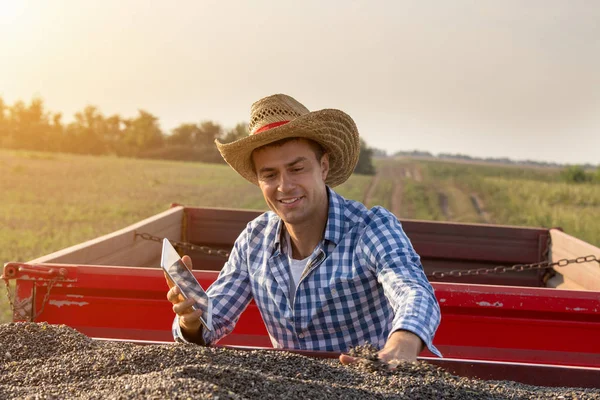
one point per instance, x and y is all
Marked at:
(273, 109)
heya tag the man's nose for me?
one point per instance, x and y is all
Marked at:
(286, 183)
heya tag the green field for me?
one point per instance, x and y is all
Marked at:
(49, 201)
(468, 192)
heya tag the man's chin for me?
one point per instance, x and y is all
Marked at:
(290, 217)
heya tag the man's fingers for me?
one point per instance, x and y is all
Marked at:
(346, 359)
(187, 261)
(183, 307)
(394, 361)
(393, 364)
(173, 295)
(191, 318)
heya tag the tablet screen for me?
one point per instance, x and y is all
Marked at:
(186, 282)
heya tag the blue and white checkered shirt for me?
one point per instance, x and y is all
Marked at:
(363, 282)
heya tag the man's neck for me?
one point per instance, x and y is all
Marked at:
(304, 238)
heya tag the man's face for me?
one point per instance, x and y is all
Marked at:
(292, 181)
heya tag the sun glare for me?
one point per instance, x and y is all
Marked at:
(10, 10)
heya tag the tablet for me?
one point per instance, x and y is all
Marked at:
(183, 278)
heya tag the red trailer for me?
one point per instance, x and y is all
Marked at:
(527, 309)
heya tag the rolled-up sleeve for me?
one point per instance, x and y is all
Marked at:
(390, 255)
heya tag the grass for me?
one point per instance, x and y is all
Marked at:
(573, 207)
(509, 195)
(355, 187)
(381, 194)
(424, 199)
(49, 202)
(52, 201)
(517, 196)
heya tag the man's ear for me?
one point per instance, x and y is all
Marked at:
(324, 166)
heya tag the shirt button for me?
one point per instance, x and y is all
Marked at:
(301, 335)
(333, 291)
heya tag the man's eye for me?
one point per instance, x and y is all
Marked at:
(298, 169)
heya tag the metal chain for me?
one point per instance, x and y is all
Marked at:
(204, 249)
(46, 297)
(8, 295)
(518, 267)
(546, 257)
(436, 274)
(11, 297)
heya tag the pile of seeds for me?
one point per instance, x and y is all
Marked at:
(41, 361)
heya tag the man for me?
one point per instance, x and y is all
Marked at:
(326, 273)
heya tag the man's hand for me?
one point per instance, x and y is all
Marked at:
(401, 346)
(189, 319)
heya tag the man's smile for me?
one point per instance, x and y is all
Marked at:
(291, 200)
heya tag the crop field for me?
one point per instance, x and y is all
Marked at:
(50, 201)
(464, 192)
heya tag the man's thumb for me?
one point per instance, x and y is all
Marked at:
(187, 261)
(346, 359)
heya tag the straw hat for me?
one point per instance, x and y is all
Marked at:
(280, 116)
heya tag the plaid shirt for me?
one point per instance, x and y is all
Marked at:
(363, 282)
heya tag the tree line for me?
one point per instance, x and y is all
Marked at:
(491, 160)
(32, 127)
(570, 173)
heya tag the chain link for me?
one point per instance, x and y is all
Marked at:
(189, 246)
(9, 296)
(436, 274)
(12, 296)
(46, 297)
(518, 267)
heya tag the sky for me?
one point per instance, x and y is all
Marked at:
(518, 79)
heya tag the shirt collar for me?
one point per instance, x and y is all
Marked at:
(279, 229)
(333, 229)
(335, 220)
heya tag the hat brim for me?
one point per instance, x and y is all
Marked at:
(333, 129)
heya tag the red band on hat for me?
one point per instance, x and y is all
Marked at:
(271, 126)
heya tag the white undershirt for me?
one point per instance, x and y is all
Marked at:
(296, 266)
